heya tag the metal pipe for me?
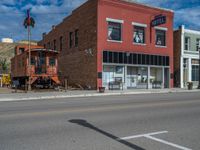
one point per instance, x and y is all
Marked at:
(29, 49)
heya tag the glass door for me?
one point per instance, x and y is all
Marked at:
(41, 63)
(166, 78)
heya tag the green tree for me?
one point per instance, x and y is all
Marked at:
(4, 65)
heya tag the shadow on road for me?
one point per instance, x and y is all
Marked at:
(84, 123)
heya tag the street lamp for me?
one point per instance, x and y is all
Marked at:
(199, 68)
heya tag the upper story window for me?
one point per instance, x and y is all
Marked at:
(197, 44)
(187, 43)
(61, 43)
(139, 34)
(76, 38)
(54, 45)
(114, 29)
(48, 45)
(70, 39)
(160, 37)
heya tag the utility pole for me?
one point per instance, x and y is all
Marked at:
(28, 23)
(29, 58)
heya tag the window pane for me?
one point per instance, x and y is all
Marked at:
(152, 60)
(125, 58)
(139, 35)
(160, 38)
(167, 61)
(70, 39)
(139, 59)
(110, 60)
(148, 59)
(198, 44)
(121, 58)
(114, 31)
(116, 57)
(195, 73)
(105, 56)
(61, 43)
(143, 59)
(187, 43)
(160, 61)
(76, 38)
(134, 58)
(52, 61)
(156, 60)
(130, 58)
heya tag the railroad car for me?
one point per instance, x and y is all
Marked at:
(43, 70)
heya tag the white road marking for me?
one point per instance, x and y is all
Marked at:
(149, 136)
(167, 143)
(142, 135)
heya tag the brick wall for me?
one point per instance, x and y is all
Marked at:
(75, 63)
(177, 55)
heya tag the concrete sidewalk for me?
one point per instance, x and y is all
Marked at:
(75, 93)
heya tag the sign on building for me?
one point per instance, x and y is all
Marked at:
(160, 19)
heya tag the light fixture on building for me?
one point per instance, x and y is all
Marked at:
(89, 51)
(127, 54)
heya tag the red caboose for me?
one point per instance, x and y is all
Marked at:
(44, 66)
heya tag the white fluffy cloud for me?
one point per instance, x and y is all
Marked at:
(189, 16)
(51, 12)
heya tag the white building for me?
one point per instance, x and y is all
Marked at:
(186, 56)
(7, 40)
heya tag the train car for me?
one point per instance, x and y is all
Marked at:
(43, 71)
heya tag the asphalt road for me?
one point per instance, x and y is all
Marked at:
(131, 122)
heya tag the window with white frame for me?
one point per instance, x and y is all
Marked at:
(197, 44)
(195, 69)
(160, 37)
(139, 34)
(187, 43)
(114, 31)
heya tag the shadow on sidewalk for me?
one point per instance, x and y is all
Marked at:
(84, 123)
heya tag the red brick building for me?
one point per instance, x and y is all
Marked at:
(106, 42)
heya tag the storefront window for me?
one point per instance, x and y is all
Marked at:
(114, 31)
(160, 37)
(142, 75)
(156, 77)
(195, 73)
(134, 58)
(139, 35)
(119, 69)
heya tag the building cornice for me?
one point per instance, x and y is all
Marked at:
(192, 31)
(139, 5)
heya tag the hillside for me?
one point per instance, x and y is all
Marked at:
(7, 52)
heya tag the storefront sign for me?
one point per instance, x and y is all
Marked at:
(158, 20)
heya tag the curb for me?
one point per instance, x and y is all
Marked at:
(95, 95)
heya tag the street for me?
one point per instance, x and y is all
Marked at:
(129, 122)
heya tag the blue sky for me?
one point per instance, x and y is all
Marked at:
(51, 12)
